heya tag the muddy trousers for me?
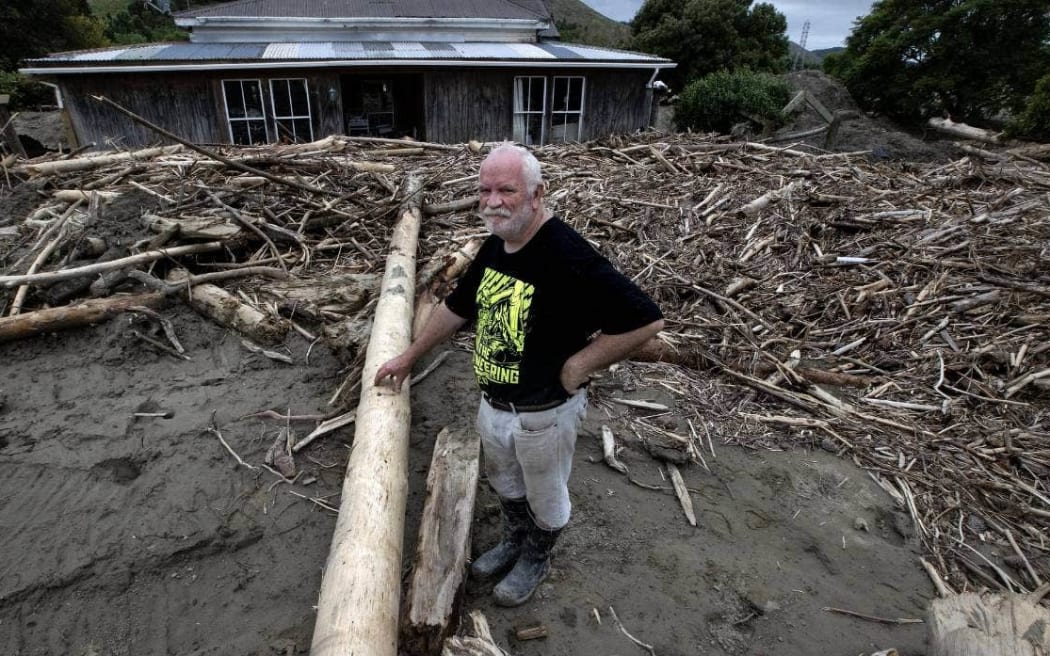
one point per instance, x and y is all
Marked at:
(529, 454)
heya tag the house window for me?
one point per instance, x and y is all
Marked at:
(530, 99)
(244, 111)
(567, 109)
(290, 104)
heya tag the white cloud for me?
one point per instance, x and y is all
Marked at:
(830, 20)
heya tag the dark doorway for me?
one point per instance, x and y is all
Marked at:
(384, 105)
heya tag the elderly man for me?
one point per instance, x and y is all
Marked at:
(549, 312)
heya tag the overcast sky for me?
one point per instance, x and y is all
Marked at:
(830, 20)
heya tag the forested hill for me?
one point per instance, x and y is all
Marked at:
(576, 22)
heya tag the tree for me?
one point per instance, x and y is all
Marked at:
(140, 22)
(34, 29)
(705, 36)
(971, 59)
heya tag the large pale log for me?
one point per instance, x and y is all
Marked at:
(971, 624)
(74, 195)
(341, 294)
(193, 227)
(102, 267)
(71, 316)
(94, 162)
(358, 609)
(948, 126)
(444, 543)
(227, 310)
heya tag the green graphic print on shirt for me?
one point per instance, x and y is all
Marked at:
(504, 304)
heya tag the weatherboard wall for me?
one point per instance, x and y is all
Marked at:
(457, 104)
(190, 105)
(478, 104)
(469, 104)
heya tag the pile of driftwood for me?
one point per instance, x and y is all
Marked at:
(896, 313)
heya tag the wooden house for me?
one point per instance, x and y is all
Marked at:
(262, 71)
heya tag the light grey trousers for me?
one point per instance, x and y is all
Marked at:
(529, 454)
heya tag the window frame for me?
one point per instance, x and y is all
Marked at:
(245, 119)
(275, 117)
(523, 114)
(565, 113)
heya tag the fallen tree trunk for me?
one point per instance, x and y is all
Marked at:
(451, 268)
(358, 608)
(948, 126)
(970, 624)
(71, 316)
(444, 543)
(657, 350)
(225, 309)
(97, 161)
(112, 265)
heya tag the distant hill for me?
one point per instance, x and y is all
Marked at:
(824, 52)
(810, 58)
(578, 23)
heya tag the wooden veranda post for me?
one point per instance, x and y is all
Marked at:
(360, 593)
(7, 131)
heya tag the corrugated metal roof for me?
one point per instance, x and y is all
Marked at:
(523, 9)
(190, 53)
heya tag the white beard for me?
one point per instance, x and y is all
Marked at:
(511, 227)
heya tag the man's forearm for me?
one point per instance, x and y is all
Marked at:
(603, 351)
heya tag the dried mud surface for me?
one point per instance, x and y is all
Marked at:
(142, 535)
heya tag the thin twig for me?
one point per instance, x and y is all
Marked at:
(873, 618)
(214, 429)
(636, 641)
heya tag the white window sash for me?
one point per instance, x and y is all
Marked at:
(561, 117)
(230, 120)
(308, 117)
(523, 108)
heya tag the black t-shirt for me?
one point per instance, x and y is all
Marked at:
(538, 306)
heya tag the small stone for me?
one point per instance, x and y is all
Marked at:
(829, 445)
(861, 524)
(761, 600)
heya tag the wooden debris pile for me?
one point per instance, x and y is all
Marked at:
(896, 313)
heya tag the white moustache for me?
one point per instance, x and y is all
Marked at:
(490, 212)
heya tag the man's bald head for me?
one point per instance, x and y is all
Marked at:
(530, 166)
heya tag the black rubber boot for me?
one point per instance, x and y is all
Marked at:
(531, 569)
(501, 557)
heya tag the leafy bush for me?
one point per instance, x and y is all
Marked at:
(25, 93)
(718, 101)
(1034, 121)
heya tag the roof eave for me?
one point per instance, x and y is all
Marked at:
(375, 23)
(347, 63)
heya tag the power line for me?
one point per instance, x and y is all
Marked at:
(801, 48)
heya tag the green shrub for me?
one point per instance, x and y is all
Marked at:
(25, 93)
(1034, 121)
(718, 101)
